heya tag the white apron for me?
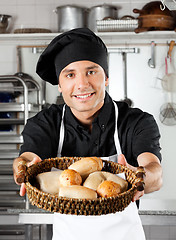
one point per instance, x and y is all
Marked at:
(125, 225)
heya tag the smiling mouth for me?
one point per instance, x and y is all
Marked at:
(83, 96)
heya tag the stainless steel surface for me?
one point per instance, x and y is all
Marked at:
(69, 17)
(11, 121)
(11, 139)
(8, 154)
(4, 21)
(17, 107)
(9, 78)
(119, 25)
(123, 52)
(99, 13)
(147, 217)
(151, 61)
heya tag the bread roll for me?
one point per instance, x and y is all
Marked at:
(96, 178)
(70, 177)
(76, 191)
(113, 177)
(49, 182)
(108, 189)
(87, 165)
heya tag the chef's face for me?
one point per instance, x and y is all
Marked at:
(82, 85)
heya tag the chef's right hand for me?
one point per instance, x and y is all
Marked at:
(19, 168)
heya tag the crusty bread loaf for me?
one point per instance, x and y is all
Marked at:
(96, 178)
(108, 189)
(49, 181)
(87, 165)
(70, 177)
(77, 191)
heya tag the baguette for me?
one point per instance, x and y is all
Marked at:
(87, 165)
(77, 191)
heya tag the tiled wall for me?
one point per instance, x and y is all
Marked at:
(39, 13)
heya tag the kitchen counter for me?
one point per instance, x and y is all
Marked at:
(39, 216)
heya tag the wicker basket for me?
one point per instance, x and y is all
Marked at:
(63, 205)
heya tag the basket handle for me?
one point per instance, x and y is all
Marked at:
(140, 174)
(22, 170)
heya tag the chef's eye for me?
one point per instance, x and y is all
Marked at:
(91, 72)
(70, 75)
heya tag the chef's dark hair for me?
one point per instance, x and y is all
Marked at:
(75, 45)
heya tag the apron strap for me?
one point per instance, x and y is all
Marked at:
(116, 137)
(62, 132)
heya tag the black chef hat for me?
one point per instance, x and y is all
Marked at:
(75, 45)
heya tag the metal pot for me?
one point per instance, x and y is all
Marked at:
(4, 22)
(70, 17)
(100, 12)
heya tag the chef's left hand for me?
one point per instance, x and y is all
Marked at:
(122, 160)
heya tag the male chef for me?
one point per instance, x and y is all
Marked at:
(90, 123)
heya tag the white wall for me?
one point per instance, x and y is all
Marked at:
(145, 90)
(143, 86)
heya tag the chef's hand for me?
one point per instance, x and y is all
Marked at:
(19, 168)
(122, 160)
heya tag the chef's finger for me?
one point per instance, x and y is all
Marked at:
(34, 161)
(22, 189)
(122, 160)
(138, 195)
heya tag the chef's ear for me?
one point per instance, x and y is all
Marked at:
(59, 88)
(106, 81)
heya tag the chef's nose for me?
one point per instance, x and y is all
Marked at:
(82, 81)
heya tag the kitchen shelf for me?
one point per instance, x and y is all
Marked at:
(11, 121)
(18, 107)
(11, 139)
(8, 154)
(108, 37)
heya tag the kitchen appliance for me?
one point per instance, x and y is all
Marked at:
(100, 12)
(69, 17)
(4, 22)
(153, 18)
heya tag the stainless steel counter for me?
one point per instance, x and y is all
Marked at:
(39, 216)
(33, 217)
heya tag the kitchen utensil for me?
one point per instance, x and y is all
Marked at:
(4, 22)
(99, 13)
(169, 80)
(69, 17)
(123, 52)
(168, 110)
(153, 18)
(151, 61)
(126, 23)
(168, 114)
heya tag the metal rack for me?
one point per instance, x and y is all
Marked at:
(10, 141)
